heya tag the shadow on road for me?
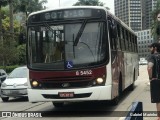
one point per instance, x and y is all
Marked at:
(18, 99)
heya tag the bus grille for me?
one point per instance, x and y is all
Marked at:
(65, 83)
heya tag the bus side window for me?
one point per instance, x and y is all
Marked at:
(119, 37)
(130, 42)
(134, 44)
(123, 39)
(112, 33)
(126, 40)
(136, 49)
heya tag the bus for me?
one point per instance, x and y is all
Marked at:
(79, 53)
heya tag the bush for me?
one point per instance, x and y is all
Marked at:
(9, 68)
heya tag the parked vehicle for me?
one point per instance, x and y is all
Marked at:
(15, 85)
(143, 61)
(3, 76)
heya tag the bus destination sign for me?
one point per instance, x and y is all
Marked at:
(66, 14)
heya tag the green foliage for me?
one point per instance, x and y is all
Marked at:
(28, 6)
(155, 22)
(3, 2)
(89, 3)
(9, 69)
(5, 12)
(11, 52)
(8, 43)
(6, 25)
(21, 51)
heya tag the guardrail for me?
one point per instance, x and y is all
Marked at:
(136, 112)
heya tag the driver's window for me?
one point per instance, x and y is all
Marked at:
(111, 28)
(53, 44)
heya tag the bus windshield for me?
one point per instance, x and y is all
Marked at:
(52, 47)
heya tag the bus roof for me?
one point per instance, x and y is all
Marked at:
(63, 8)
(93, 7)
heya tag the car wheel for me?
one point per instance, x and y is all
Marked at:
(58, 104)
(5, 99)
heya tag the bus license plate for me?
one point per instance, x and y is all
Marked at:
(66, 94)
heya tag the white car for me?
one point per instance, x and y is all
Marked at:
(144, 62)
(15, 85)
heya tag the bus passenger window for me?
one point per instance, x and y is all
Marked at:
(119, 37)
(126, 40)
(130, 42)
(112, 34)
(123, 39)
(136, 49)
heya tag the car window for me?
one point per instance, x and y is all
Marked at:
(18, 73)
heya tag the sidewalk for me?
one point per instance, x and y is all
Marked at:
(144, 97)
(148, 107)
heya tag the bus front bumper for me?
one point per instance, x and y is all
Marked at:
(70, 95)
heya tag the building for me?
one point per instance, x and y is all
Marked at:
(147, 7)
(144, 39)
(137, 15)
(130, 12)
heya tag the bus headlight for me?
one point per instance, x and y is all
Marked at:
(99, 80)
(35, 83)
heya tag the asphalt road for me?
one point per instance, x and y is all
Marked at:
(82, 110)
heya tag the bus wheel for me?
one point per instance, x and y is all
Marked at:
(58, 104)
(115, 101)
(5, 99)
(131, 87)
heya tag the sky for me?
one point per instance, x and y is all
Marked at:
(65, 3)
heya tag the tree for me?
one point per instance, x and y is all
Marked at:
(89, 3)
(21, 53)
(28, 6)
(8, 45)
(155, 22)
(2, 3)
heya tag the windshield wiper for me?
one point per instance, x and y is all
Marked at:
(48, 27)
(51, 29)
(80, 32)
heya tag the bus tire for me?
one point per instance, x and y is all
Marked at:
(58, 104)
(131, 87)
(5, 99)
(115, 101)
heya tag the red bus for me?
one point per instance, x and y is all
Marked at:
(79, 54)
